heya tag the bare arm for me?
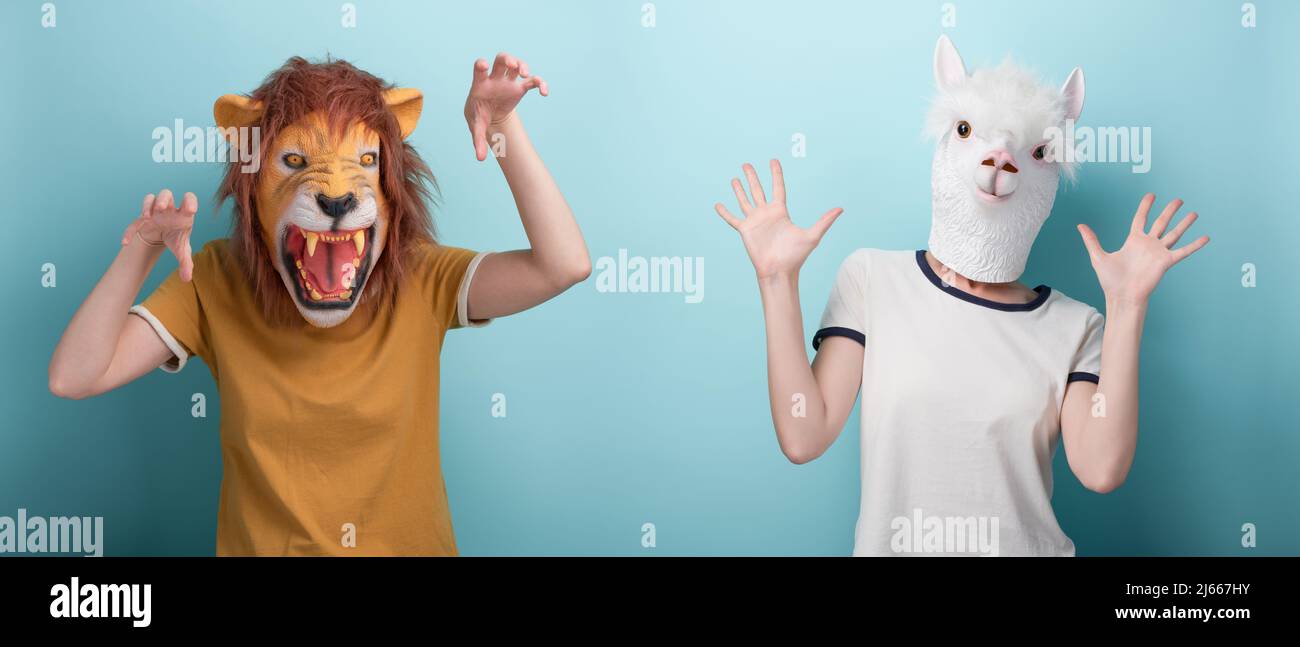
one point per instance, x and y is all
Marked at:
(1100, 448)
(104, 347)
(557, 256)
(1100, 433)
(827, 389)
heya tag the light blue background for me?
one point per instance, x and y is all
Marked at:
(625, 409)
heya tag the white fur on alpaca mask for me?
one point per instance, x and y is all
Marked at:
(993, 179)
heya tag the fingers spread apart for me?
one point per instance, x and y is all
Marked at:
(1091, 243)
(1190, 248)
(778, 182)
(755, 186)
(727, 216)
(1162, 222)
(1140, 218)
(1170, 239)
(824, 223)
(743, 199)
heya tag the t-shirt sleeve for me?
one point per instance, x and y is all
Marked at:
(176, 315)
(448, 272)
(845, 314)
(1087, 359)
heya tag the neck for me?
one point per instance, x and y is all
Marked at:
(1010, 292)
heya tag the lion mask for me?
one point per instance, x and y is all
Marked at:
(339, 198)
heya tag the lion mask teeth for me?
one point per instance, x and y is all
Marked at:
(329, 263)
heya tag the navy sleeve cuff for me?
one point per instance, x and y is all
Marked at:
(1083, 377)
(838, 332)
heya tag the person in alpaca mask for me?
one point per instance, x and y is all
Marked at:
(969, 379)
(322, 317)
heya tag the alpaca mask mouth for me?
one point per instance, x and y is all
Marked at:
(991, 198)
(329, 267)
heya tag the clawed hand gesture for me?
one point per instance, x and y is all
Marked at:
(494, 95)
(162, 222)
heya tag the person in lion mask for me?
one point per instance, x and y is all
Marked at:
(322, 316)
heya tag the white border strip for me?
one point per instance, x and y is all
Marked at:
(462, 295)
(166, 337)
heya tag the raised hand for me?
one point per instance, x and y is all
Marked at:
(775, 244)
(162, 222)
(493, 96)
(1130, 274)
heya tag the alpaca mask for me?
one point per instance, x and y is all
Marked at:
(994, 175)
(336, 188)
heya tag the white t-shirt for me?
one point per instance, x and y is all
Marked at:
(961, 407)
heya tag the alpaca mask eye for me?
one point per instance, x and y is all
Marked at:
(1040, 152)
(369, 159)
(294, 161)
(963, 129)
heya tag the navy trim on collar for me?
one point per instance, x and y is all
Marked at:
(1042, 290)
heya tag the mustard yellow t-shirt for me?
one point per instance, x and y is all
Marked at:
(323, 427)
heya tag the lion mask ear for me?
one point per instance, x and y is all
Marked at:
(406, 104)
(236, 111)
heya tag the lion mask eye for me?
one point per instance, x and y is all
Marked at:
(963, 129)
(294, 161)
(369, 159)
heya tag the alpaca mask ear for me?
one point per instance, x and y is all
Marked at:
(406, 104)
(949, 71)
(236, 111)
(1072, 94)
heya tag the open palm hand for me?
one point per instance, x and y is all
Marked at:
(775, 244)
(1130, 274)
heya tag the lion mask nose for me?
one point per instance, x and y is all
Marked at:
(336, 207)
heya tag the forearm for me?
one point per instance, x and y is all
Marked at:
(1100, 436)
(804, 432)
(88, 345)
(557, 250)
(1103, 454)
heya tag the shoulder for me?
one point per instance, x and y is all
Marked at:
(428, 256)
(215, 261)
(865, 259)
(1071, 309)
(884, 256)
(436, 269)
(215, 249)
(220, 278)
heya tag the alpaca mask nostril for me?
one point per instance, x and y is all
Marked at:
(1006, 166)
(1001, 160)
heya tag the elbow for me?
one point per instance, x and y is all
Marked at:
(572, 274)
(579, 271)
(67, 385)
(1103, 476)
(799, 454)
(798, 458)
(60, 388)
(1103, 483)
